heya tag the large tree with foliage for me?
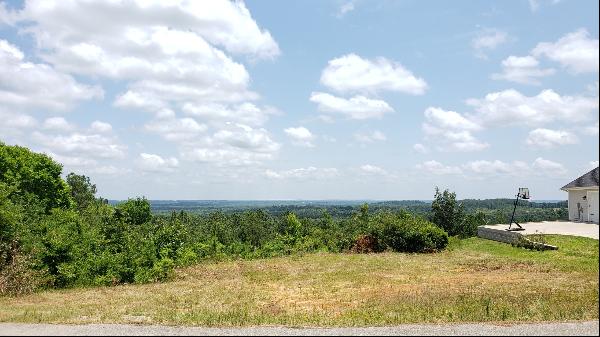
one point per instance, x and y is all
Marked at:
(33, 176)
(447, 213)
(135, 211)
(83, 191)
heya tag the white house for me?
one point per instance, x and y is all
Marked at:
(583, 197)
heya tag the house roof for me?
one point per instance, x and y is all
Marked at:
(589, 179)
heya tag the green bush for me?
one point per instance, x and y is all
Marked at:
(186, 256)
(161, 270)
(18, 274)
(280, 245)
(402, 232)
(468, 227)
(135, 211)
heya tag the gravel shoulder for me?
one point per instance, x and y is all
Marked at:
(540, 329)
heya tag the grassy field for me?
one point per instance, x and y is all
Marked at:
(475, 280)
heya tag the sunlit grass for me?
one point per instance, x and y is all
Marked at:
(473, 280)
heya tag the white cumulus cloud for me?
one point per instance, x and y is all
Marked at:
(435, 167)
(352, 73)
(510, 107)
(234, 145)
(155, 163)
(524, 70)
(547, 138)
(245, 113)
(576, 51)
(370, 137)
(548, 167)
(176, 129)
(57, 124)
(485, 169)
(345, 8)
(373, 170)
(488, 39)
(28, 85)
(308, 173)
(420, 148)
(101, 127)
(451, 130)
(84, 145)
(357, 107)
(171, 58)
(495, 167)
(300, 136)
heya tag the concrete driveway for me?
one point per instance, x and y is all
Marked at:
(589, 230)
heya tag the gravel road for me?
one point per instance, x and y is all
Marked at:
(538, 329)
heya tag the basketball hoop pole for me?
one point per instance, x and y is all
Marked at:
(512, 218)
(523, 194)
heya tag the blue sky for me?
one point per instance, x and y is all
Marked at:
(305, 99)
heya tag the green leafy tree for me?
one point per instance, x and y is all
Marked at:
(294, 226)
(83, 191)
(470, 224)
(35, 176)
(326, 220)
(255, 227)
(364, 213)
(135, 211)
(10, 217)
(448, 214)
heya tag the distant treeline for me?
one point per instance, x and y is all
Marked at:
(497, 210)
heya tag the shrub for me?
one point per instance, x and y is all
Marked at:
(212, 248)
(468, 227)
(186, 256)
(294, 226)
(309, 244)
(365, 244)
(169, 236)
(162, 270)
(280, 245)
(239, 249)
(135, 211)
(403, 232)
(54, 245)
(17, 274)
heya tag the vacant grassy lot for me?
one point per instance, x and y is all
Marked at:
(474, 280)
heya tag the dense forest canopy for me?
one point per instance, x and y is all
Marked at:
(497, 211)
(313, 208)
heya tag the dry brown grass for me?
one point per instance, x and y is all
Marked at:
(475, 280)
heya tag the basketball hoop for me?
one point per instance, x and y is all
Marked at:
(522, 194)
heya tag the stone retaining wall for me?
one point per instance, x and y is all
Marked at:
(514, 238)
(498, 235)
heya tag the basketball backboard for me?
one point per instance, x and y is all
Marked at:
(523, 193)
